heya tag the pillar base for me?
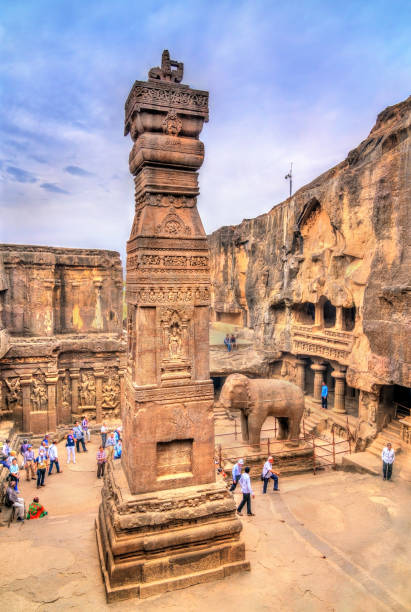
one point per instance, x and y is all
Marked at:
(152, 543)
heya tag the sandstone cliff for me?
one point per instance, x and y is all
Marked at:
(335, 256)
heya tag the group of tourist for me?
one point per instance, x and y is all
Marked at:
(41, 463)
(230, 342)
(241, 475)
(35, 466)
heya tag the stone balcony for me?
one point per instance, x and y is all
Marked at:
(327, 343)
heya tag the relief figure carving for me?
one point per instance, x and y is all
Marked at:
(38, 396)
(87, 390)
(13, 392)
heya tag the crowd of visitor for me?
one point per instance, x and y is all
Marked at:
(39, 463)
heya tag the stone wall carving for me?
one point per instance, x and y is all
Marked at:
(13, 394)
(111, 390)
(86, 389)
(38, 393)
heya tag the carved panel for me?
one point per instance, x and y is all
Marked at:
(86, 389)
(174, 457)
(66, 391)
(13, 394)
(38, 393)
(111, 389)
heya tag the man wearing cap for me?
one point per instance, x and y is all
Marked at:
(388, 458)
(236, 471)
(29, 463)
(268, 473)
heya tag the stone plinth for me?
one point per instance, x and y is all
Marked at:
(156, 542)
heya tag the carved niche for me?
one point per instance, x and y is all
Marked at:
(86, 389)
(38, 393)
(13, 393)
(172, 123)
(111, 389)
(175, 334)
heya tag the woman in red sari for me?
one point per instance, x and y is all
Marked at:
(36, 510)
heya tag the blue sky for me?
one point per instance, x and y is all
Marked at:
(297, 81)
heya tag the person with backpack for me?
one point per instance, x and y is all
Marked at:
(79, 436)
(269, 473)
(41, 468)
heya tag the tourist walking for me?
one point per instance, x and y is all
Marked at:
(70, 446)
(85, 427)
(41, 468)
(245, 484)
(227, 342)
(268, 473)
(236, 472)
(118, 449)
(24, 447)
(324, 396)
(103, 431)
(54, 457)
(29, 463)
(15, 500)
(44, 447)
(388, 458)
(110, 444)
(101, 461)
(79, 436)
(36, 510)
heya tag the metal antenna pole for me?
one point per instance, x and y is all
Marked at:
(289, 177)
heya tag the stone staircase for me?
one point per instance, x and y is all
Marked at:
(391, 433)
(311, 423)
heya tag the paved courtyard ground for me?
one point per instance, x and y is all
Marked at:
(331, 542)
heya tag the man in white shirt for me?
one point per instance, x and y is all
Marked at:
(268, 473)
(388, 458)
(245, 485)
(54, 457)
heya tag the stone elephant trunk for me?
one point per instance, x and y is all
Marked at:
(259, 398)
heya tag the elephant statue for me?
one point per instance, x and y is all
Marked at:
(259, 398)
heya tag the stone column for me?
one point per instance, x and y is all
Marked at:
(338, 317)
(25, 381)
(51, 381)
(319, 369)
(74, 375)
(339, 390)
(319, 315)
(99, 375)
(300, 363)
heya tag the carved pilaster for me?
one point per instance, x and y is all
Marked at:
(99, 374)
(51, 382)
(25, 381)
(74, 375)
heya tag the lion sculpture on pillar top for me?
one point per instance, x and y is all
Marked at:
(259, 398)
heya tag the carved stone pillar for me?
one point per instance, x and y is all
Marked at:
(338, 317)
(300, 363)
(319, 315)
(51, 382)
(25, 381)
(99, 375)
(74, 375)
(339, 391)
(319, 369)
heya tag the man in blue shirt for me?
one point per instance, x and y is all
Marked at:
(237, 473)
(79, 436)
(324, 395)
